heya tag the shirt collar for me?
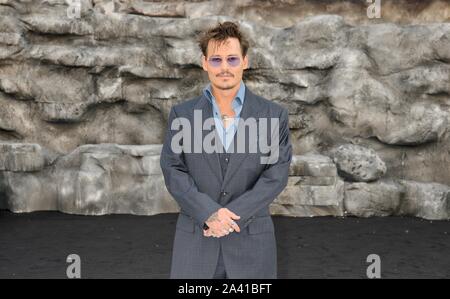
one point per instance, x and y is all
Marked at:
(240, 96)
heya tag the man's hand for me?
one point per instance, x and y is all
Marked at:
(221, 223)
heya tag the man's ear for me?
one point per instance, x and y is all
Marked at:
(204, 63)
(246, 62)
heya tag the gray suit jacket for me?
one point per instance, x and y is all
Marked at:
(195, 181)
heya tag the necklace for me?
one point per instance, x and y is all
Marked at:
(226, 117)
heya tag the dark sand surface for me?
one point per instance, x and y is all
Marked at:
(36, 245)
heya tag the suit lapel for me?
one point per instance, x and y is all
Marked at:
(212, 158)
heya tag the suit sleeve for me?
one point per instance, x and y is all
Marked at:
(271, 182)
(180, 183)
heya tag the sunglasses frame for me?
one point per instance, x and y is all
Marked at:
(231, 64)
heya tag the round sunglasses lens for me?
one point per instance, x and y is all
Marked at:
(215, 61)
(233, 61)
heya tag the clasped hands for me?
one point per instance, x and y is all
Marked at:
(221, 223)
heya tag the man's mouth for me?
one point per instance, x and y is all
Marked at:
(225, 76)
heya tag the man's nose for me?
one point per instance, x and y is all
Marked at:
(224, 67)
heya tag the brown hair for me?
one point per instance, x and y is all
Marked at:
(220, 33)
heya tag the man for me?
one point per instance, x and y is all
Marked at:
(224, 229)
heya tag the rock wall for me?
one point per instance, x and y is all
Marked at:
(368, 98)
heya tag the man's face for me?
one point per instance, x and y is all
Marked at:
(224, 63)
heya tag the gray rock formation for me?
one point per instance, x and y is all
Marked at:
(91, 180)
(110, 75)
(21, 157)
(284, 13)
(380, 198)
(357, 163)
(314, 189)
(429, 201)
(110, 178)
(398, 197)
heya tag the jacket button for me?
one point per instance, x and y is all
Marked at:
(224, 193)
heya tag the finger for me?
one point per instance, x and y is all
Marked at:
(220, 233)
(226, 224)
(231, 225)
(234, 226)
(233, 215)
(215, 233)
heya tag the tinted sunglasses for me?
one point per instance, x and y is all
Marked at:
(217, 61)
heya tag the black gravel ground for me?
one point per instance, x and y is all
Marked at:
(36, 245)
